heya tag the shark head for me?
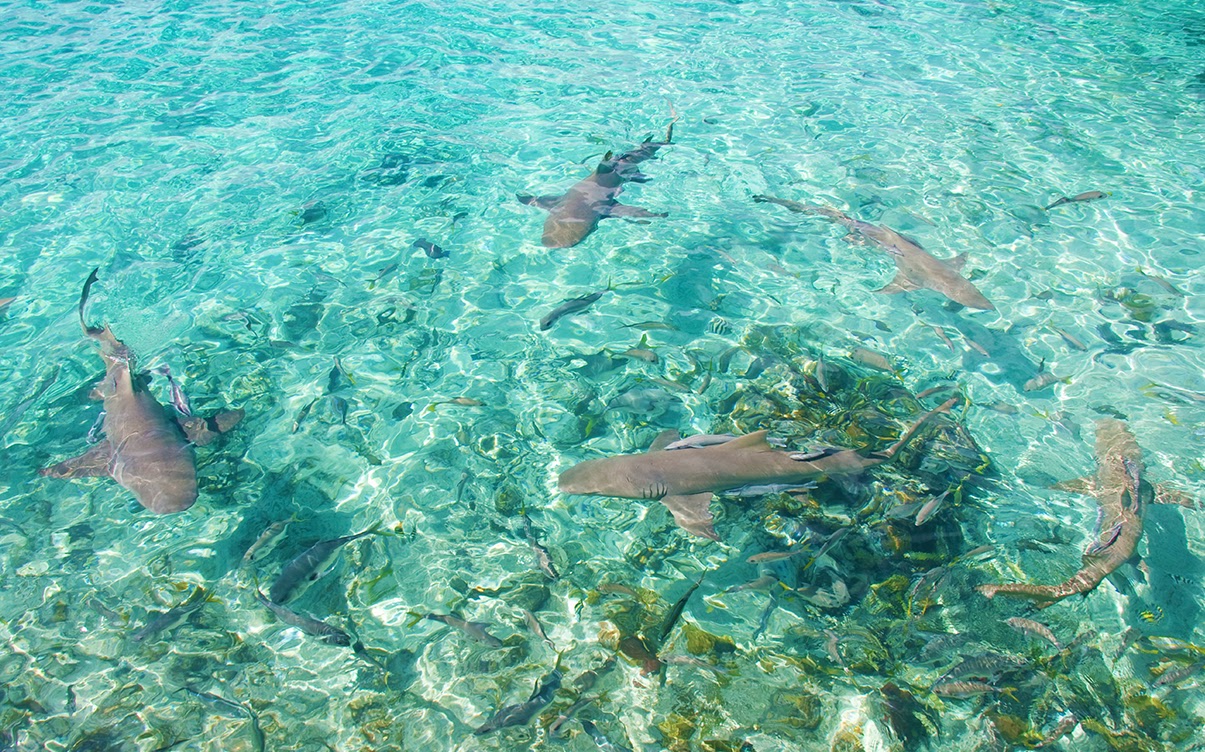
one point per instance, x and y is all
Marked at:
(589, 477)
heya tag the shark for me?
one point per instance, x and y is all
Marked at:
(574, 214)
(686, 480)
(146, 449)
(916, 268)
(1122, 494)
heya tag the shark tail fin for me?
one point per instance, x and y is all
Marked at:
(91, 331)
(892, 450)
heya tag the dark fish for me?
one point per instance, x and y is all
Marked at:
(221, 703)
(569, 306)
(173, 617)
(554, 729)
(334, 379)
(1086, 196)
(522, 713)
(588, 679)
(543, 558)
(301, 415)
(308, 566)
(320, 629)
(675, 613)
(429, 248)
(600, 739)
(474, 629)
(314, 211)
(634, 647)
(833, 540)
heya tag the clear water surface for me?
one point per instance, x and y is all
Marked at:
(250, 180)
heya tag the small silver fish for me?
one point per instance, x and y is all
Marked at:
(308, 566)
(1085, 196)
(568, 307)
(173, 617)
(474, 629)
(1031, 627)
(699, 441)
(320, 629)
(871, 359)
(930, 508)
(600, 739)
(537, 628)
(543, 557)
(266, 541)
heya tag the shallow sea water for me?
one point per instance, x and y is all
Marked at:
(250, 181)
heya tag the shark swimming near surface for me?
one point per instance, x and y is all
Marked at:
(916, 267)
(574, 215)
(686, 480)
(145, 449)
(1122, 494)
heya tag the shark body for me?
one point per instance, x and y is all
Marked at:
(686, 480)
(1122, 494)
(916, 268)
(574, 215)
(145, 449)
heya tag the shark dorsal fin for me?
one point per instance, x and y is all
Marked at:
(664, 439)
(958, 262)
(755, 440)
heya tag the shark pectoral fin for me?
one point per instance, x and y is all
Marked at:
(544, 202)
(664, 439)
(1165, 495)
(1083, 485)
(631, 212)
(901, 283)
(693, 513)
(92, 463)
(958, 262)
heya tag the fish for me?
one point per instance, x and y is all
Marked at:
(837, 536)
(178, 399)
(302, 414)
(1043, 379)
(1120, 520)
(588, 679)
(1175, 676)
(675, 613)
(635, 647)
(313, 627)
(573, 305)
(638, 353)
(1070, 339)
(648, 326)
(1063, 728)
(916, 267)
(554, 728)
(474, 629)
(537, 628)
(543, 558)
(963, 689)
(521, 713)
(699, 441)
(173, 617)
(601, 740)
(686, 481)
(769, 556)
(690, 660)
(145, 450)
(6, 302)
(458, 401)
(1085, 196)
(221, 703)
(645, 401)
(266, 541)
(308, 566)
(1163, 282)
(1029, 626)
(871, 359)
(930, 508)
(429, 248)
(761, 583)
(575, 214)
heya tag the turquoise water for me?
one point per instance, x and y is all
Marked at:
(250, 181)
